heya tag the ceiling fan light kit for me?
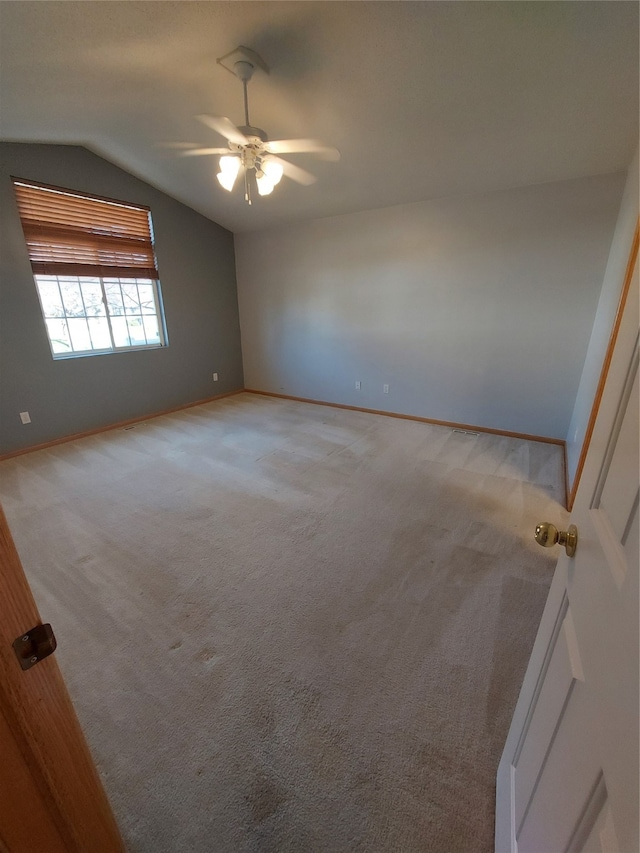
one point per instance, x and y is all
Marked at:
(229, 167)
(250, 150)
(268, 176)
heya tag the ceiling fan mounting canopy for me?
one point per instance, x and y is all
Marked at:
(242, 54)
(243, 69)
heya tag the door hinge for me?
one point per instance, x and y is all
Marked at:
(35, 645)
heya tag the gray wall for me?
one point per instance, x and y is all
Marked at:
(197, 273)
(605, 315)
(473, 309)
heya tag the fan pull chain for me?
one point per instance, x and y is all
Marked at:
(247, 187)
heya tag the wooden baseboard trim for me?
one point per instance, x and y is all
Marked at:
(451, 424)
(119, 425)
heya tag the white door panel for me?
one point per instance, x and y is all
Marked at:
(568, 778)
(595, 833)
(557, 685)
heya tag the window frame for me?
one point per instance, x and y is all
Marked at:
(82, 238)
(158, 315)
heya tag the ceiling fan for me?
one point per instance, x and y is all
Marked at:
(249, 148)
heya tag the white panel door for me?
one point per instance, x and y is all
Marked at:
(568, 777)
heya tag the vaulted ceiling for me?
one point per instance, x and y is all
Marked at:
(423, 99)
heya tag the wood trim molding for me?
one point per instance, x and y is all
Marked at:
(628, 276)
(49, 756)
(451, 424)
(566, 476)
(119, 425)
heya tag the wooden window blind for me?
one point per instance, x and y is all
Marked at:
(68, 233)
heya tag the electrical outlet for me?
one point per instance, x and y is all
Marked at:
(25, 417)
(385, 389)
(358, 384)
(215, 377)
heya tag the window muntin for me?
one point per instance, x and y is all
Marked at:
(85, 314)
(95, 270)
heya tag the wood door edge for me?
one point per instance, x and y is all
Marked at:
(35, 704)
(628, 276)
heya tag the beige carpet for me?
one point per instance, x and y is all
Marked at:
(288, 627)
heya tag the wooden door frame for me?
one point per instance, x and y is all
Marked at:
(50, 787)
(571, 491)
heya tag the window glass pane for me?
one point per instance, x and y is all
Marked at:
(92, 293)
(147, 302)
(79, 331)
(59, 336)
(136, 331)
(130, 298)
(71, 297)
(100, 335)
(50, 298)
(151, 330)
(120, 332)
(76, 315)
(114, 296)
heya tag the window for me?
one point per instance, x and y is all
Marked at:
(95, 270)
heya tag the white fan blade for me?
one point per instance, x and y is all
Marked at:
(301, 176)
(177, 145)
(197, 152)
(225, 128)
(299, 146)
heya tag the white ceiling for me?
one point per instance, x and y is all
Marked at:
(423, 99)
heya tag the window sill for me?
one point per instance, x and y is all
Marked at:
(74, 355)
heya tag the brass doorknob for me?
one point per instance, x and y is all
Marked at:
(547, 535)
